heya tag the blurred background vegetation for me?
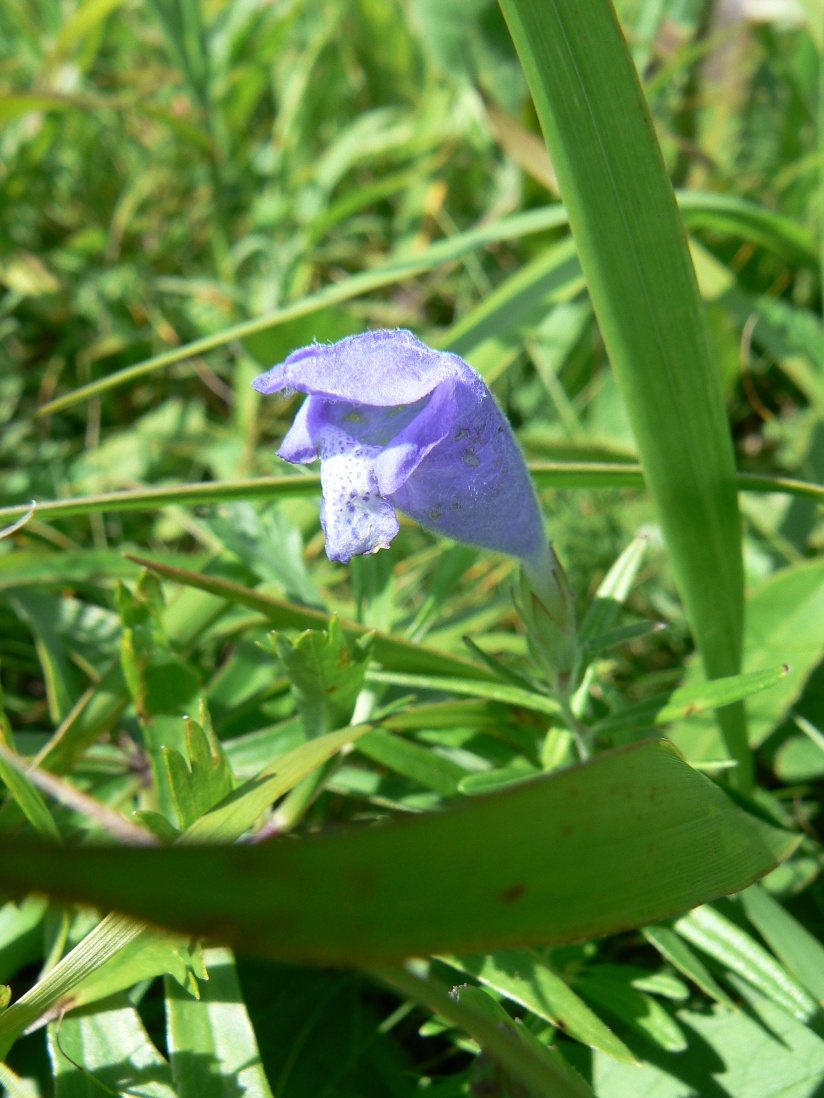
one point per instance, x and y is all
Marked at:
(170, 168)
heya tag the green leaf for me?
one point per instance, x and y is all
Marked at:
(24, 568)
(29, 800)
(23, 791)
(730, 214)
(547, 474)
(21, 934)
(269, 545)
(106, 1048)
(500, 670)
(675, 950)
(212, 1045)
(96, 712)
(15, 1086)
(421, 764)
(160, 681)
(202, 781)
(688, 701)
(239, 811)
(613, 591)
(525, 979)
(634, 254)
(162, 685)
(115, 938)
(109, 936)
(541, 1070)
(185, 35)
(784, 616)
(616, 637)
(39, 612)
(488, 781)
(493, 691)
(800, 952)
(391, 651)
(760, 1052)
(517, 305)
(326, 675)
(613, 991)
(150, 953)
(738, 952)
(83, 20)
(416, 887)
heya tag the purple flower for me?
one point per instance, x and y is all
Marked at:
(398, 425)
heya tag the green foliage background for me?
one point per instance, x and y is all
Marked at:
(190, 190)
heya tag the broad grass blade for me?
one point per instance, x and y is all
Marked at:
(634, 254)
(619, 842)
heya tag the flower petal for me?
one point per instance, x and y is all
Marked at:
(401, 457)
(397, 424)
(474, 486)
(382, 368)
(298, 447)
(356, 519)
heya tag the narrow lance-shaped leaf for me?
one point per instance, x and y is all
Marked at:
(546, 474)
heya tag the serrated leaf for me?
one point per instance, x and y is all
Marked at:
(206, 780)
(239, 811)
(326, 675)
